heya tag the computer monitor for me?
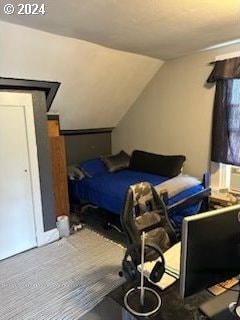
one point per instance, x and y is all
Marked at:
(210, 254)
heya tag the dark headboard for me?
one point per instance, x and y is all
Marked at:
(86, 144)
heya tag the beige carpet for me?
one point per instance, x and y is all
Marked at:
(62, 280)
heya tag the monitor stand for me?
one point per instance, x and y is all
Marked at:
(219, 307)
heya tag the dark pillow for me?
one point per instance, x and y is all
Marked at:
(116, 162)
(163, 165)
(93, 167)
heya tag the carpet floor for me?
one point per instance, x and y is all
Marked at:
(62, 280)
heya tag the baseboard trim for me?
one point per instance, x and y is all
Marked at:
(48, 237)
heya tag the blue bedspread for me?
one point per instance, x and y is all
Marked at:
(108, 191)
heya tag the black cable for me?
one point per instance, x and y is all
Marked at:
(172, 275)
(238, 298)
(238, 301)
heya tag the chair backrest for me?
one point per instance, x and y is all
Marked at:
(145, 211)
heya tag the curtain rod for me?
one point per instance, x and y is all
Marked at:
(213, 62)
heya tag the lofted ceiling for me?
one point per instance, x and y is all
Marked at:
(155, 28)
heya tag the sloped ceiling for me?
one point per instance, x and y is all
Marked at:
(98, 84)
(105, 52)
(158, 28)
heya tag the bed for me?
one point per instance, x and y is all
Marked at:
(105, 184)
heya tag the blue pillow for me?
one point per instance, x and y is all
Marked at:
(93, 168)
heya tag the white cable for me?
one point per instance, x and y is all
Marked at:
(142, 267)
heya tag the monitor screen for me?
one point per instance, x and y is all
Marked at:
(210, 250)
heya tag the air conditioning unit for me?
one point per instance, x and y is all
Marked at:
(235, 179)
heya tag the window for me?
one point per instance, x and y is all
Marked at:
(234, 123)
(235, 179)
(226, 122)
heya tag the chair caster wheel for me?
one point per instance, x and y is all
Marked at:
(108, 226)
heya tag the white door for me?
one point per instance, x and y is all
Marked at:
(17, 225)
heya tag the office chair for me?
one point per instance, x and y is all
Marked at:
(145, 211)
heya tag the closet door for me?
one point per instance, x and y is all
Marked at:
(17, 226)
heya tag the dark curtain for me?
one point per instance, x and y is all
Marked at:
(226, 112)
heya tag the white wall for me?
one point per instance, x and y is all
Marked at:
(173, 114)
(98, 85)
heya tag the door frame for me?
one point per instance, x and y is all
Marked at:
(25, 100)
